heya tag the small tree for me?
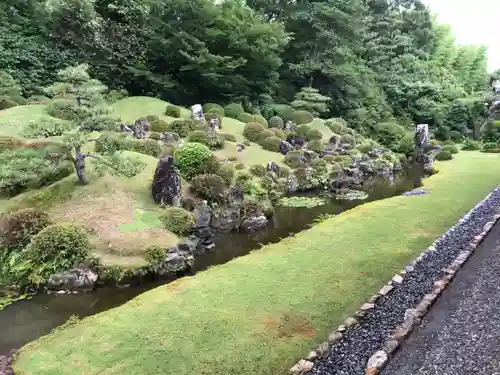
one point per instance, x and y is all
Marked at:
(8, 85)
(111, 160)
(311, 100)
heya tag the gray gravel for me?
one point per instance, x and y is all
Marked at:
(349, 355)
(461, 333)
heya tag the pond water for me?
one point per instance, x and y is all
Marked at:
(27, 320)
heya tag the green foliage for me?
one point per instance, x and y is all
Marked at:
(444, 155)
(152, 118)
(271, 144)
(294, 159)
(178, 220)
(276, 122)
(260, 119)
(258, 170)
(228, 137)
(159, 126)
(173, 111)
(309, 99)
(18, 227)
(283, 111)
(316, 146)
(209, 186)
(302, 117)
(115, 95)
(211, 139)
(252, 130)
(155, 136)
(233, 110)
(490, 147)
(213, 116)
(452, 149)
(10, 143)
(215, 108)
(183, 127)
(46, 127)
(264, 134)
(390, 134)
(471, 145)
(239, 166)
(6, 103)
(490, 131)
(245, 117)
(193, 159)
(111, 142)
(227, 172)
(309, 133)
(101, 123)
(278, 133)
(337, 125)
(307, 202)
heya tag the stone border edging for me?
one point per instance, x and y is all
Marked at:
(412, 317)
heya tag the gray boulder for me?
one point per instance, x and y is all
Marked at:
(75, 279)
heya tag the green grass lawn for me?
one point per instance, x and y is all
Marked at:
(13, 119)
(258, 314)
(130, 109)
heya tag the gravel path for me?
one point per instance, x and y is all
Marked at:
(461, 333)
(349, 355)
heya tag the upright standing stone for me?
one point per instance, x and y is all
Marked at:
(166, 188)
(197, 113)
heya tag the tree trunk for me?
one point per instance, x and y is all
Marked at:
(80, 166)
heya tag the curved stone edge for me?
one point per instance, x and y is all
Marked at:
(412, 318)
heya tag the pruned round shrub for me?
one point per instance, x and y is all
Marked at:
(246, 142)
(239, 166)
(258, 170)
(443, 156)
(265, 133)
(17, 228)
(260, 119)
(213, 115)
(308, 133)
(452, 149)
(178, 220)
(66, 109)
(490, 147)
(152, 118)
(207, 107)
(456, 136)
(209, 186)
(228, 137)
(155, 136)
(336, 125)
(144, 146)
(233, 110)
(284, 111)
(159, 126)
(278, 133)
(227, 172)
(302, 117)
(294, 159)
(271, 144)
(10, 143)
(55, 248)
(316, 146)
(245, 117)
(46, 128)
(193, 158)
(101, 122)
(448, 142)
(276, 122)
(181, 127)
(218, 111)
(6, 103)
(212, 139)
(469, 145)
(252, 130)
(348, 139)
(172, 111)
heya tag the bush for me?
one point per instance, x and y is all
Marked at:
(490, 147)
(155, 136)
(252, 131)
(233, 110)
(284, 111)
(302, 117)
(471, 145)
(294, 159)
(245, 117)
(159, 126)
(348, 139)
(316, 146)
(6, 103)
(66, 109)
(46, 128)
(271, 144)
(111, 142)
(194, 158)
(308, 133)
(265, 133)
(227, 172)
(258, 170)
(212, 139)
(407, 144)
(115, 95)
(389, 134)
(278, 133)
(17, 228)
(207, 107)
(183, 127)
(213, 115)
(260, 119)
(144, 146)
(246, 143)
(101, 122)
(152, 118)
(172, 111)
(452, 149)
(276, 122)
(337, 125)
(448, 142)
(456, 136)
(10, 143)
(209, 186)
(218, 111)
(177, 220)
(443, 156)
(228, 137)
(239, 166)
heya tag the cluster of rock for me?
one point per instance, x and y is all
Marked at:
(5, 364)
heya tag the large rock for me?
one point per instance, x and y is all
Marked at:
(177, 260)
(166, 187)
(75, 279)
(254, 223)
(6, 364)
(197, 113)
(285, 147)
(226, 220)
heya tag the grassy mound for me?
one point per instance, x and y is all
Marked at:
(12, 119)
(130, 109)
(258, 314)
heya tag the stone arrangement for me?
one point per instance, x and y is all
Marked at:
(197, 113)
(166, 187)
(366, 341)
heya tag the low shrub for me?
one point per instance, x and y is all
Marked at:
(155, 136)
(246, 143)
(308, 133)
(284, 111)
(10, 143)
(252, 130)
(348, 139)
(111, 142)
(101, 123)
(452, 149)
(260, 119)
(278, 133)
(209, 186)
(46, 128)
(469, 145)
(258, 170)
(212, 139)
(456, 136)
(284, 172)
(195, 158)
(435, 142)
(145, 146)
(233, 110)
(228, 137)
(245, 117)
(271, 144)
(217, 111)
(302, 117)
(264, 134)
(490, 147)
(183, 127)
(316, 146)
(18, 227)
(152, 118)
(239, 166)
(178, 220)
(276, 122)
(6, 103)
(208, 107)
(443, 156)
(67, 109)
(448, 142)
(294, 159)
(227, 172)
(159, 126)
(213, 115)
(172, 111)
(115, 95)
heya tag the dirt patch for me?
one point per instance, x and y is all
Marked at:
(287, 326)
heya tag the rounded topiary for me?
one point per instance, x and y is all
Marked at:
(227, 172)
(228, 137)
(278, 133)
(260, 119)
(152, 118)
(469, 145)
(17, 228)
(271, 144)
(265, 133)
(490, 147)
(294, 159)
(336, 125)
(239, 166)
(212, 140)
(284, 111)
(218, 111)
(452, 149)
(193, 158)
(348, 139)
(443, 156)
(212, 107)
(159, 126)
(448, 142)
(155, 136)
(209, 186)
(302, 117)
(252, 130)
(245, 117)
(181, 127)
(276, 122)
(316, 146)
(213, 115)
(173, 111)
(6, 103)
(308, 133)
(233, 110)
(178, 220)
(66, 109)
(258, 170)
(456, 136)
(145, 146)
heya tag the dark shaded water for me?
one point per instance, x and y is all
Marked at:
(27, 320)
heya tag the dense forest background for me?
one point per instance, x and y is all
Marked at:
(371, 61)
